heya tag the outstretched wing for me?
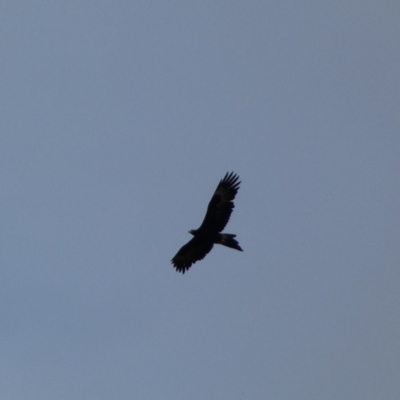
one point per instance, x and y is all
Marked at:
(194, 250)
(221, 204)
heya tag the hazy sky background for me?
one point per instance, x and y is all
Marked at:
(118, 119)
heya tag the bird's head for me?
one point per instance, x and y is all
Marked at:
(192, 232)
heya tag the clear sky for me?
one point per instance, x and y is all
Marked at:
(118, 119)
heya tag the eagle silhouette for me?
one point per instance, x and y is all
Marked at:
(217, 216)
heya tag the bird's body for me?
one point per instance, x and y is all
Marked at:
(209, 233)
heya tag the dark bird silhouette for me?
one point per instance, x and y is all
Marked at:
(217, 216)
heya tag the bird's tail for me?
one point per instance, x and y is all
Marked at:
(227, 239)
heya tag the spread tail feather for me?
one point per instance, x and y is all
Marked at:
(227, 239)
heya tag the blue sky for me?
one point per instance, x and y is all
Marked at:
(119, 119)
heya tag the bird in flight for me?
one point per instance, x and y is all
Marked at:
(217, 216)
